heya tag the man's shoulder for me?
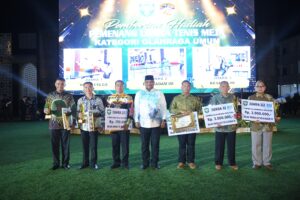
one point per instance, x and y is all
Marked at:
(81, 98)
(251, 97)
(232, 96)
(51, 93)
(194, 97)
(268, 96)
(98, 98)
(180, 96)
(215, 96)
(68, 94)
(127, 96)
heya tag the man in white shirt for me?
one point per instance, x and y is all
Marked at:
(150, 117)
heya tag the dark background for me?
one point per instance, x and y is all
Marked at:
(275, 21)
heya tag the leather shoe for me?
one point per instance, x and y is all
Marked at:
(144, 167)
(83, 166)
(234, 167)
(180, 165)
(192, 165)
(67, 166)
(218, 167)
(55, 167)
(95, 167)
(114, 166)
(126, 166)
(269, 167)
(157, 166)
(256, 166)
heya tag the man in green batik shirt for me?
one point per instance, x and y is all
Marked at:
(227, 132)
(186, 103)
(55, 101)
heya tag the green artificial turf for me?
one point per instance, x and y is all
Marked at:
(25, 161)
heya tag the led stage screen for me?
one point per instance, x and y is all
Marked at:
(202, 41)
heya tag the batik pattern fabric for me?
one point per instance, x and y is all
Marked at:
(220, 99)
(55, 101)
(182, 103)
(150, 108)
(94, 105)
(267, 127)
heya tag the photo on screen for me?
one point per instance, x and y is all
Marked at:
(216, 64)
(97, 65)
(167, 65)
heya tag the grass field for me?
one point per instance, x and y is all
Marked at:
(25, 161)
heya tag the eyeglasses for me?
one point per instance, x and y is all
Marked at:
(260, 86)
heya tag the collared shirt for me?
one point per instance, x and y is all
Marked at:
(150, 108)
(220, 99)
(123, 101)
(55, 101)
(94, 105)
(262, 126)
(182, 103)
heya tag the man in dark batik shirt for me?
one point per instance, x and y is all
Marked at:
(55, 101)
(124, 101)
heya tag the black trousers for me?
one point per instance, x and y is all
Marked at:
(150, 135)
(220, 146)
(89, 143)
(120, 138)
(60, 136)
(186, 148)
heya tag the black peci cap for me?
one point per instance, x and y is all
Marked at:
(149, 77)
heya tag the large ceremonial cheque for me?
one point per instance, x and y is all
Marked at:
(262, 111)
(183, 124)
(115, 118)
(219, 115)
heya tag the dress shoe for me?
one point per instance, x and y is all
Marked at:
(114, 166)
(192, 165)
(55, 167)
(144, 167)
(234, 167)
(218, 167)
(157, 166)
(95, 167)
(180, 165)
(256, 166)
(83, 166)
(67, 166)
(126, 166)
(269, 167)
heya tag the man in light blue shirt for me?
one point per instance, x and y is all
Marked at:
(150, 114)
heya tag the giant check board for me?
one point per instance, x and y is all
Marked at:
(183, 131)
(262, 111)
(115, 118)
(219, 115)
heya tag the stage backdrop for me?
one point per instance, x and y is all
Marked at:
(203, 41)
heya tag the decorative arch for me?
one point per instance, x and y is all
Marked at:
(29, 75)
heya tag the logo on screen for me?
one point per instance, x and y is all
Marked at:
(147, 9)
(245, 103)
